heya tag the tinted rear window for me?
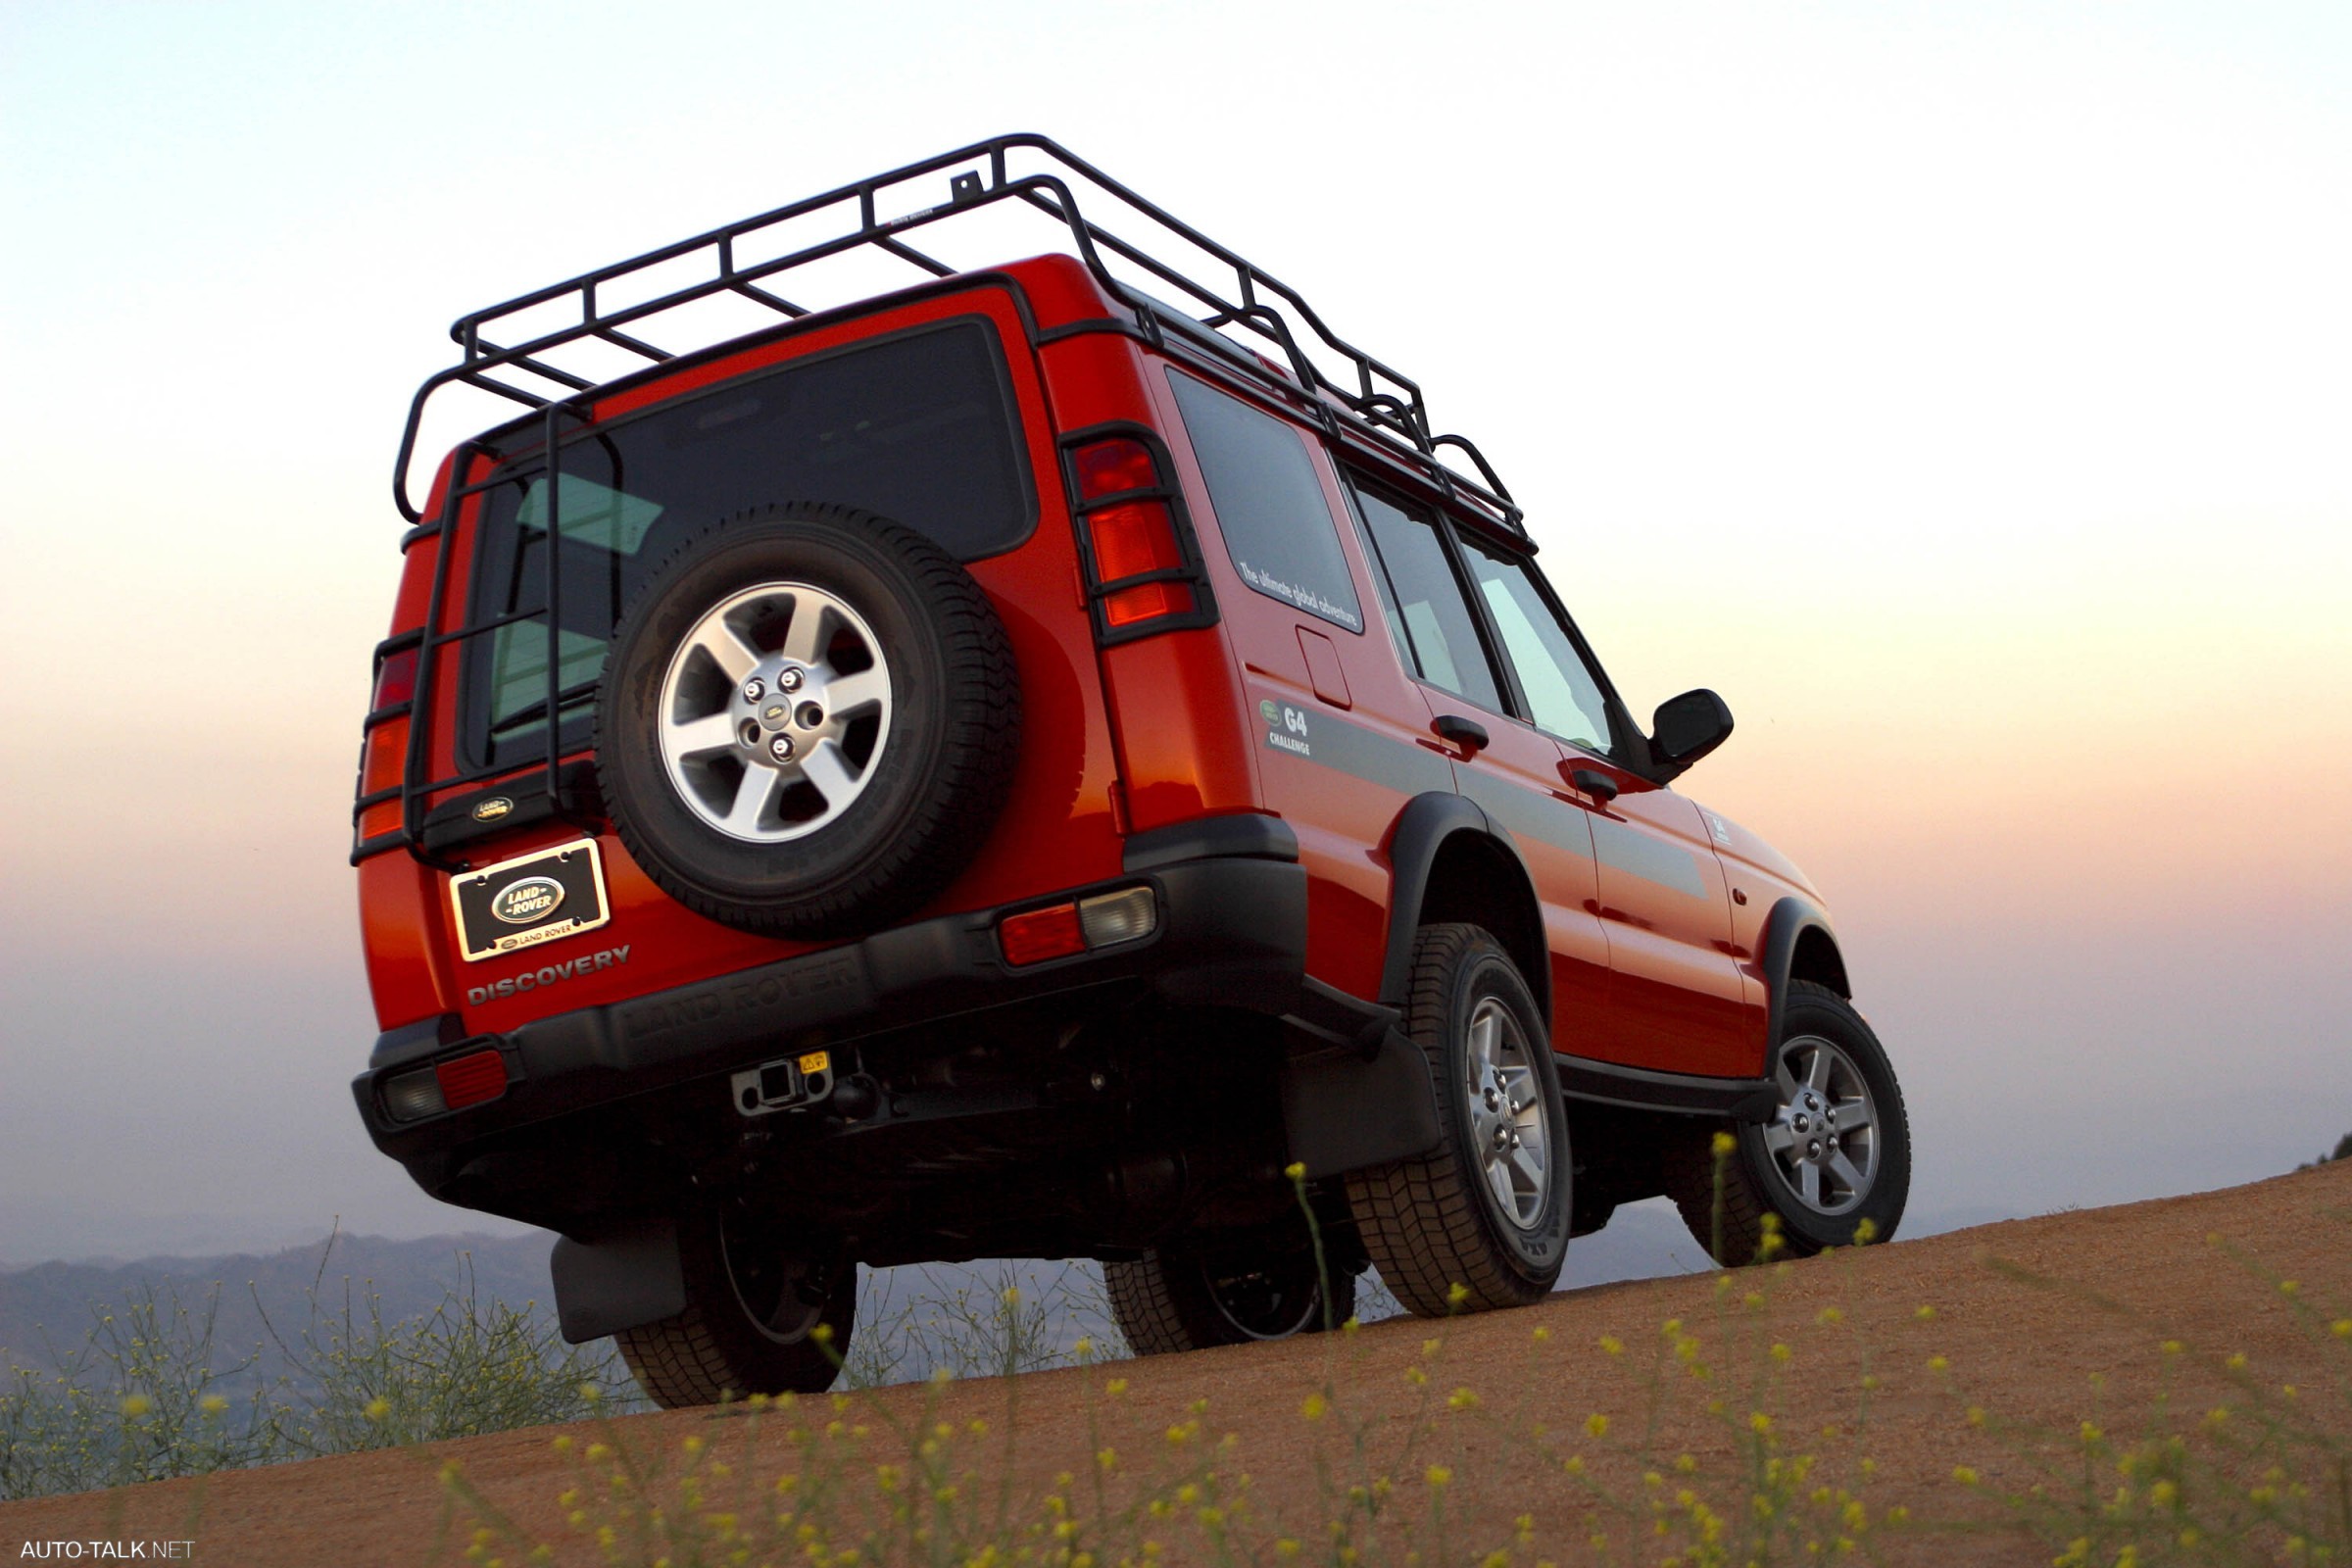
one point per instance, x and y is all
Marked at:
(918, 428)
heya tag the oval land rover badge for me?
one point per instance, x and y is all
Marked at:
(527, 901)
(490, 809)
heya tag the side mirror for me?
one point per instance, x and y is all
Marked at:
(1687, 729)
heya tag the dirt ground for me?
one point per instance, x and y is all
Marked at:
(2036, 1358)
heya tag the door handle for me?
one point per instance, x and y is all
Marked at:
(1468, 733)
(1593, 782)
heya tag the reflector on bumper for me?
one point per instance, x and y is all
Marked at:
(450, 1085)
(1061, 930)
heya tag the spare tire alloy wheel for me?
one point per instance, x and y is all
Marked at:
(809, 721)
(772, 747)
(1483, 1219)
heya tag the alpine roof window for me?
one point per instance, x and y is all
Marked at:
(1270, 505)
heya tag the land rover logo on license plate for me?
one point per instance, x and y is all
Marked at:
(527, 901)
(540, 897)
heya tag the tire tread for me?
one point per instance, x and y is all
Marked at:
(677, 1361)
(1419, 1218)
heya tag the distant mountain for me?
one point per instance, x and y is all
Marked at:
(47, 1311)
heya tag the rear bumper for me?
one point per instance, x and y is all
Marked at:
(1231, 933)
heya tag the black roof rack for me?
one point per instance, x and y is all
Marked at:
(507, 353)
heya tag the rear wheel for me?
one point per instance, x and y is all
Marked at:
(1193, 1294)
(1835, 1151)
(1483, 1219)
(753, 1307)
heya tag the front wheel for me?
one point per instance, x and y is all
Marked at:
(1835, 1153)
(1483, 1219)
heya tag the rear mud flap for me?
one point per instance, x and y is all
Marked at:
(626, 1278)
(1343, 1110)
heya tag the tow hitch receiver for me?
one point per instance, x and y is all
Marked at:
(782, 1084)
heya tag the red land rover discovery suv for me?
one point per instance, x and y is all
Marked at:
(1011, 767)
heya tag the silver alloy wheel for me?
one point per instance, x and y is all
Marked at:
(1507, 1126)
(1824, 1139)
(774, 711)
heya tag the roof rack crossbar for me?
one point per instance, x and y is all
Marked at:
(635, 345)
(908, 252)
(778, 302)
(1384, 403)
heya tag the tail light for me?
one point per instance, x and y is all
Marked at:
(395, 679)
(1142, 569)
(1134, 540)
(384, 738)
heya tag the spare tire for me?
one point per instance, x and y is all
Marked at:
(808, 721)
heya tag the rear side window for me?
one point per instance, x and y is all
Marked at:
(919, 429)
(1270, 507)
(1434, 627)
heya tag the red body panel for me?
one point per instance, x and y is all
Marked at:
(1343, 820)
(1759, 876)
(1675, 998)
(1652, 962)
(1056, 830)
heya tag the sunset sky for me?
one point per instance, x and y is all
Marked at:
(1964, 392)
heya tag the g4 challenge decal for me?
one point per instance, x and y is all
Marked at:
(1286, 727)
(1327, 740)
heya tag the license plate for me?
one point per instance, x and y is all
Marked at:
(534, 897)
